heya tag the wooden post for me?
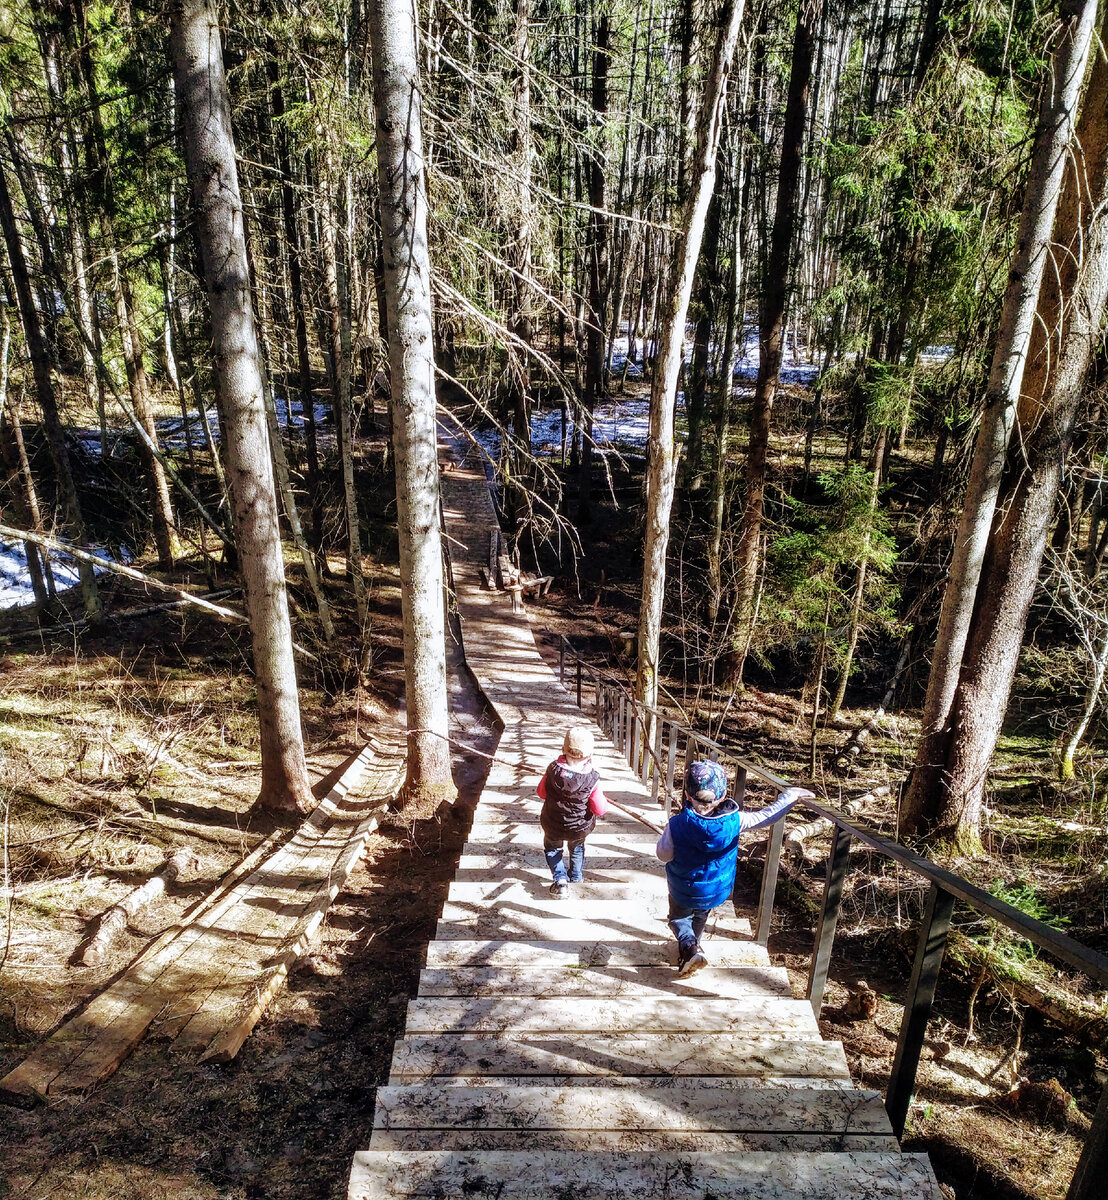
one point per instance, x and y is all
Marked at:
(1093, 1162)
(769, 882)
(917, 1008)
(828, 918)
(671, 765)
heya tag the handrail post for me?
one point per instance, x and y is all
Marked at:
(740, 785)
(635, 735)
(828, 917)
(657, 760)
(1088, 1180)
(579, 705)
(671, 765)
(769, 882)
(596, 693)
(562, 661)
(917, 1007)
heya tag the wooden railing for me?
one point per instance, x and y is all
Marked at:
(654, 743)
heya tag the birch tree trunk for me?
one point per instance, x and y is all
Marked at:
(1057, 113)
(397, 100)
(209, 147)
(661, 471)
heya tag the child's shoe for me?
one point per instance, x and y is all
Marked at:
(693, 963)
(560, 890)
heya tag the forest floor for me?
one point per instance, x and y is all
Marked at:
(119, 747)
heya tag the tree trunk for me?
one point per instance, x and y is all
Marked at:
(926, 804)
(1067, 329)
(661, 460)
(297, 301)
(24, 498)
(44, 389)
(597, 261)
(723, 423)
(209, 148)
(339, 329)
(397, 98)
(774, 297)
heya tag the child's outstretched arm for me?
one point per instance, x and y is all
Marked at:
(780, 806)
(664, 848)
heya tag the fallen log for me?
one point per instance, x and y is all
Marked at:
(1081, 1019)
(106, 564)
(115, 919)
(856, 743)
(795, 839)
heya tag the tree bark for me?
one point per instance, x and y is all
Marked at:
(1068, 327)
(209, 147)
(661, 459)
(774, 297)
(397, 99)
(44, 390)
(339, 329)
(597, 264)
(297, 301)
(928, 799)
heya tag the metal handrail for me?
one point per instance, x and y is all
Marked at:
(613, 698)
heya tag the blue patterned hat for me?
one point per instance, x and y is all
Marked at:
(705, 784)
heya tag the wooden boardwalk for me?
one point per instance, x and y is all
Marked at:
(206, 981)
(551, 1051)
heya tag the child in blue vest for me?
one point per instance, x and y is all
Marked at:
(572, 800)
(698, 847)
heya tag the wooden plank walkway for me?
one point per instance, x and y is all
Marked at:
(551, 1050)
(207, 980)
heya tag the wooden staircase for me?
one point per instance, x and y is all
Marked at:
(552, 1053)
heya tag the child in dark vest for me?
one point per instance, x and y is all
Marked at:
(572, 800)
(698, 847)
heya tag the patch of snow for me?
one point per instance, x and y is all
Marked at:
(15, 580)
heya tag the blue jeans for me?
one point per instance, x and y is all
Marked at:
(553, 852)
(687, 925)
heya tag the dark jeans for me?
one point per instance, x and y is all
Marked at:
(687, 924)
(553, 852)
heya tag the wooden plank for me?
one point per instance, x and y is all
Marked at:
(224, 1045)
(528, 864)
(659, 1056)
(503, 841)
(588, 1141)
(610, 1175)
(531, 952)
(737, 983)
(91, 1046)
(835, 1111)
(256, 971)
(461, 922)
(573, 1014)
(646, 891)
(35, 1077)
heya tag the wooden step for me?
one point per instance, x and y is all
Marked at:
(659, 1056)
(642, 912)
(608, 1175)
(529, 952)
(424, 1116)
(606, 1014)
(487, 844)
(463, 921)
(525, 864)
(647, 890)
(738, 983)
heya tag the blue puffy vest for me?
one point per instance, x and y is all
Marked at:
(702, 873)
